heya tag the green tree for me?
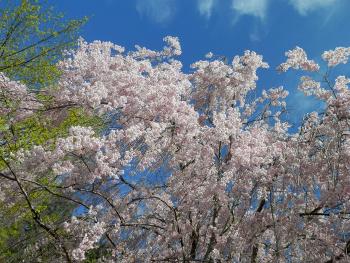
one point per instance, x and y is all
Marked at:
(20, 236)
(32, 39)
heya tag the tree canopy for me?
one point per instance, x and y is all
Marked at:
(32, 38)
(191, 167)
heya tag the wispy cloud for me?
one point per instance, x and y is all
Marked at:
(306, 6)
(299, 104)
(255, 34)
(205, 7)
(257, 8)
(159, 11)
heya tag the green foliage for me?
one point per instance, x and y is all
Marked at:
(95, 254)
(16, 223)
(32, 38)
(20, 232)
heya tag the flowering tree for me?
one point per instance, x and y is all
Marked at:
(192, 167)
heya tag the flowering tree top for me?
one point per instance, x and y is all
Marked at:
(191, 167)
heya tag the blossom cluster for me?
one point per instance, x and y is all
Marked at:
(194, 167)
(16, 101)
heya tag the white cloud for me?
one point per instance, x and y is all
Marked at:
(306, 6)
(160, 11)
(205, 7)
(254, 36)
(257, 8)
(298, 104)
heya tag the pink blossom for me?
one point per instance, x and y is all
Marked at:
(336, 56)
(297, 59)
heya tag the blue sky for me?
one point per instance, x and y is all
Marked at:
(224, 27)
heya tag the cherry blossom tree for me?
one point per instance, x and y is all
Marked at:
(192, 167)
